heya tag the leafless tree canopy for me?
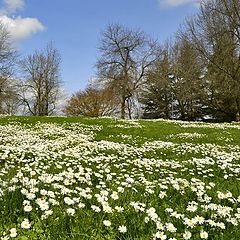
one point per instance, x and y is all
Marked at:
(125, 57)
(40, 89)
(7, 62)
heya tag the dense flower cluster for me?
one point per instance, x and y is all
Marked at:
(157, 189)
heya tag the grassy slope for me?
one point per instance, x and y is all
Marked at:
(150, 131)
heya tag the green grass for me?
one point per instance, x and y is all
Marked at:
(59, 157)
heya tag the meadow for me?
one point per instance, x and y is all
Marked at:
(82, 178)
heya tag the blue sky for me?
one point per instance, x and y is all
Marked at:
(75, 26)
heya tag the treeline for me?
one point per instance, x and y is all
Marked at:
(196, 76)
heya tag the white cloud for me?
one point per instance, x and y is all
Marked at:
(176, 3)
(11, 6)
(22, 28)
(18, 27)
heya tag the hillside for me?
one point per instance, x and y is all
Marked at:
(82, 178)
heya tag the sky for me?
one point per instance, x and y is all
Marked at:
(75, 27)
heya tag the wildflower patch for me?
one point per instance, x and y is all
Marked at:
(116, 179)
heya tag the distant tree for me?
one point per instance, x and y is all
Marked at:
(41, 84)
(11, 100)
(126, 55)
(8, 58)
(92, 102)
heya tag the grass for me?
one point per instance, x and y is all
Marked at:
(66, 176)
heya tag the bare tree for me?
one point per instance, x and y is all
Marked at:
(7, 62)
(11, 101)
(126, 55)
(41, 84)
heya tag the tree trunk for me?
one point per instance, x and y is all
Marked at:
(123, 106)
(129, 109)
(238, 111)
